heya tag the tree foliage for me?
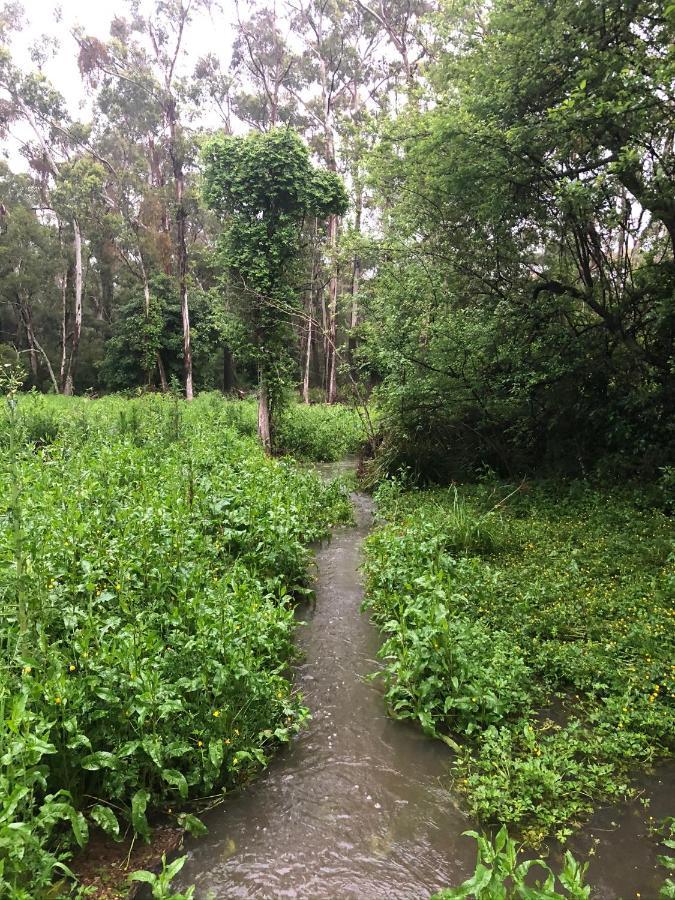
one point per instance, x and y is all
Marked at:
(265, 186)
(524, 306)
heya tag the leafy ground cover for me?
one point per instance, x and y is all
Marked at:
(534, 635)
(150, 560)
(319, 432)
(501, 874)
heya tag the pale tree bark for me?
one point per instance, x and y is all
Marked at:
(308, 350)
(181, 12)
(48, 364)
(324, 332)
(181, 249)
(64, 327)
(69, 380)
(314, 294)
(358, 213)
(331, 86)
(68, 361)
(264, 429)
(331, 394)
(25, 317)
(34, 344)
(356, 277)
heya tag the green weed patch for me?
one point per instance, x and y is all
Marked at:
(150, 561)
(538, 644)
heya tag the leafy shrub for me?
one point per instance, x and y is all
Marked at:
(149, 566)
(320, 432)
(499, 875)
(542, 654)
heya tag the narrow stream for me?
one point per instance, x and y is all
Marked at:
(356, 806)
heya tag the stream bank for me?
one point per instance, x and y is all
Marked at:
(356, 807)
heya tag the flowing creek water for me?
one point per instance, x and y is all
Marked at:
(356, 806)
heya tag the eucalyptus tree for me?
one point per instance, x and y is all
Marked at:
(402, 21)
(30, 270)
(144, 55)
(58, 151)
(264, 68)
(264, 186)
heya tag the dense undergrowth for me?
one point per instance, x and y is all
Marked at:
(150, 559)
(534, 635)
(318, 432)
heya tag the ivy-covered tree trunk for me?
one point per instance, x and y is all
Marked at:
(266, 187)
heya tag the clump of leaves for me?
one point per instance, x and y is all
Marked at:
(666, 859)
(544, 656)
(500, 876)
(160, 884)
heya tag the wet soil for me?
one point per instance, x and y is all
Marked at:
(105, 866)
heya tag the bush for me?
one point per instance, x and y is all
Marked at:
(320, 432)
(499, 874)
(538, 644)
(150, 559)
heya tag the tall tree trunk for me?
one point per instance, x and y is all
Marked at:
(324, 331)
(308, 350)
(181, 247)
(25, 316)
(64, 327)
(264, 427)
(228, 370)
(163, 381)
(36, 347)
(356, 277)
(331, 394)
(69, 382)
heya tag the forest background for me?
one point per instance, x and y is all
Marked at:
(504, 273)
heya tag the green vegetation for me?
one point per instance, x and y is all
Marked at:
(534, 635)
(318, 432)
(667, 835)
(522, 311)
(264, 186)
(499, 875)
(459, 211)
(150, 560)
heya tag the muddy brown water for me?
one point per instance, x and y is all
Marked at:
(358, 805)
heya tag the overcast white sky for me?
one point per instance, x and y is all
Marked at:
(208, 33)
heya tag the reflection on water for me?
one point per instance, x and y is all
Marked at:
(356, 807)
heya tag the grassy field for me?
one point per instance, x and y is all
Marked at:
(150, 560)
(534, 635)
